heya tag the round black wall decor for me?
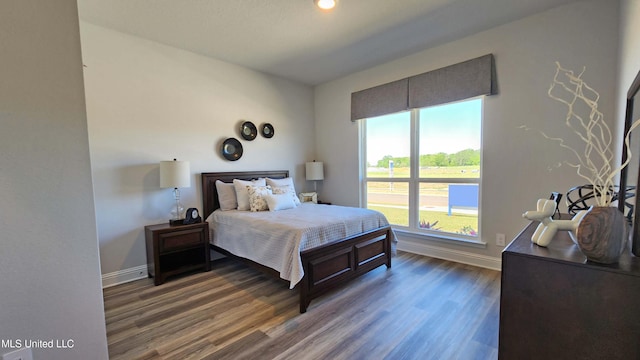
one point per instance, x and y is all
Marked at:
(232, 149)
(267, 130)
(248, 131)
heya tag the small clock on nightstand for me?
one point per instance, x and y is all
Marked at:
(192, 216)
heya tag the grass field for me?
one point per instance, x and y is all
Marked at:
(455, 223)
(399, 215)
(431, 172)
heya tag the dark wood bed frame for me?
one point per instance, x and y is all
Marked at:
(325, 267)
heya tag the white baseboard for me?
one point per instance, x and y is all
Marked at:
(124, 276)
(463, 257)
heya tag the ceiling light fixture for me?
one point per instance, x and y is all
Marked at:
(325, 4)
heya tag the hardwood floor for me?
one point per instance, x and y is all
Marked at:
(421, 308)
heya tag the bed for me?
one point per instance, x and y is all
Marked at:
(324, 267)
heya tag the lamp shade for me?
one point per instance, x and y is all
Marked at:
(175, 174)
(315, 170)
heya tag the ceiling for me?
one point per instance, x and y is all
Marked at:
(295, 40)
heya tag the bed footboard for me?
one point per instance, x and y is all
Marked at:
(334, 264)
(325, 267)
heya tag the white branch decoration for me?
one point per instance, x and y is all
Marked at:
(594, 163)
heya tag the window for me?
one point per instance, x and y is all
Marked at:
(422, 168)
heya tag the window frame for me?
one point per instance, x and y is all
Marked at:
(414, 179)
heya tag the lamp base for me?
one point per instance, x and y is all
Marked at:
(174, 222)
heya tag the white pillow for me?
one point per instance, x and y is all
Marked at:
(226, 196)
(281, 183)
(287, 190)
(242, 194)
(279, 202)
(257, 201)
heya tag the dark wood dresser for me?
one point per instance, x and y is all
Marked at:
(556, 305)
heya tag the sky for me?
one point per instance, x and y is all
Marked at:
(445, 128)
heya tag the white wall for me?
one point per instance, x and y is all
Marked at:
(629, 60)
(148, 102)
(516, 163)
(629, 46)
(49, 265)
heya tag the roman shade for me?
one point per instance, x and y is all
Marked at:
(460, 81)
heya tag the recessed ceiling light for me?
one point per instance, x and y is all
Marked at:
(325, 4)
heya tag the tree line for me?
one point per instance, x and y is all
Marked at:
(465, 157)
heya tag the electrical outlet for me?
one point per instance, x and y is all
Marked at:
(20, 354)
(500, 239)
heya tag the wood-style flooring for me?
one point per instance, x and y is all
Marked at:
(421, 308)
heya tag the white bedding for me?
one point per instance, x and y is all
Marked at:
(276, 238)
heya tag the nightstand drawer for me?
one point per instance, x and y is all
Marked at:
(180, 239)
(175, 250)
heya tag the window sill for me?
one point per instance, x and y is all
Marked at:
(443, 239)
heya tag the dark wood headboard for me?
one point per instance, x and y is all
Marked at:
(210, 200)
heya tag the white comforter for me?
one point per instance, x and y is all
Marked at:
(276, 238)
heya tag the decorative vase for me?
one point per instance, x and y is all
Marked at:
(602, 234)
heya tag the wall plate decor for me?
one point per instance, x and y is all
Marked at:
(267, 130)
(232, 149)
(248, 130)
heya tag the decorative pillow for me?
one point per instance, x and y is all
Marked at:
(257, 201)
(279, 182)
(285, 182)
(279, 202)
(226, 196)
(242, 194)
(288, 191)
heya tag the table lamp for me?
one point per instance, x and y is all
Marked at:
(314, 172)
(175, 174)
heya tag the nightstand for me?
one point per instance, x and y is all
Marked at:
(173, 250)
